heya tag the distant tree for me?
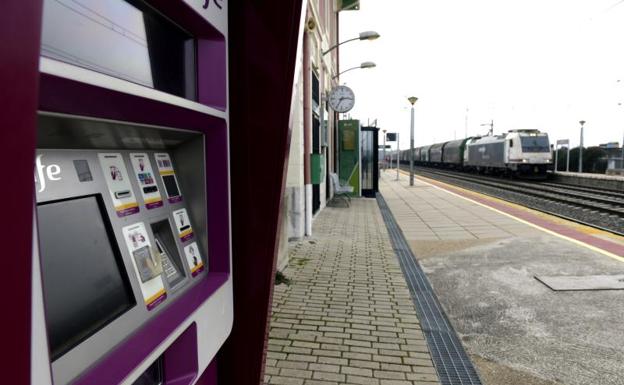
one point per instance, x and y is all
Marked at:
(563, 153)
(594, 160)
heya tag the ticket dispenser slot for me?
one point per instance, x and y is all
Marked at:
(153, 375)
(167, 247)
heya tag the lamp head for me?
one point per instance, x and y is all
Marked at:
(368, 64)
(412, 99)
(582, 122)
(369, 35)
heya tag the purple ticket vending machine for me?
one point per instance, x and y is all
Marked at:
(131, 260)
(125, 228)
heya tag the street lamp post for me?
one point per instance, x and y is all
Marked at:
(384, 150)
(556, 155)
(582, 122)
(622, 162)
(397, 157)
(412, 100)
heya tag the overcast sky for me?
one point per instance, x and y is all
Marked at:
(542, 64)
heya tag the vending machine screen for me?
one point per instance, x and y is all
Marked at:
(85, 286)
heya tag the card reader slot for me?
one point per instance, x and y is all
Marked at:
(122, 194)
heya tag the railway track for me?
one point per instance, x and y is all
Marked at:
(603, 209)
(604, 192)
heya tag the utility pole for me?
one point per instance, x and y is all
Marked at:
(582, 122)
(412, 100)
(491, 124)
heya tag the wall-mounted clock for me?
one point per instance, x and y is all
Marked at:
(341, 99)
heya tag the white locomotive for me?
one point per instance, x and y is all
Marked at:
(517, 152)
(525, 152)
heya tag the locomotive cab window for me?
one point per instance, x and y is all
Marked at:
(535, 144)
(510, 142)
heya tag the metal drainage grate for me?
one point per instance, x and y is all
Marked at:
(448, 354)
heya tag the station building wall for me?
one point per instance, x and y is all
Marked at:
(322, 32)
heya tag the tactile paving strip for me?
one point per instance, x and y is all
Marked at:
(448, 355)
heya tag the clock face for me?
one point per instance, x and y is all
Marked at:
(341, 99)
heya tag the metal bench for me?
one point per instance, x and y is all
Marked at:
(341, 191)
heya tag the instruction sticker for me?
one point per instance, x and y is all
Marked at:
(194, 260)
(147, 264)
(165, 168)
(147, 180)
(183, 224)
(118, 184)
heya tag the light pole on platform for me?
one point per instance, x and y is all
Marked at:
(384, 150)
(412, 100)
(582, 122)
(397, 155)
(622, 162)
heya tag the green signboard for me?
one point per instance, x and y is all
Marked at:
(349, 153)
(318, 168)
(348, 5)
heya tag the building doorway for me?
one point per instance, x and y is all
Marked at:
(370, 161)
(316, 138)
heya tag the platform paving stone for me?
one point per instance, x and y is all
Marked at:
(426, 213)
(347, 316)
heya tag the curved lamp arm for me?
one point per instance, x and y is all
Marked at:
(366, 35)
(366, 64)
